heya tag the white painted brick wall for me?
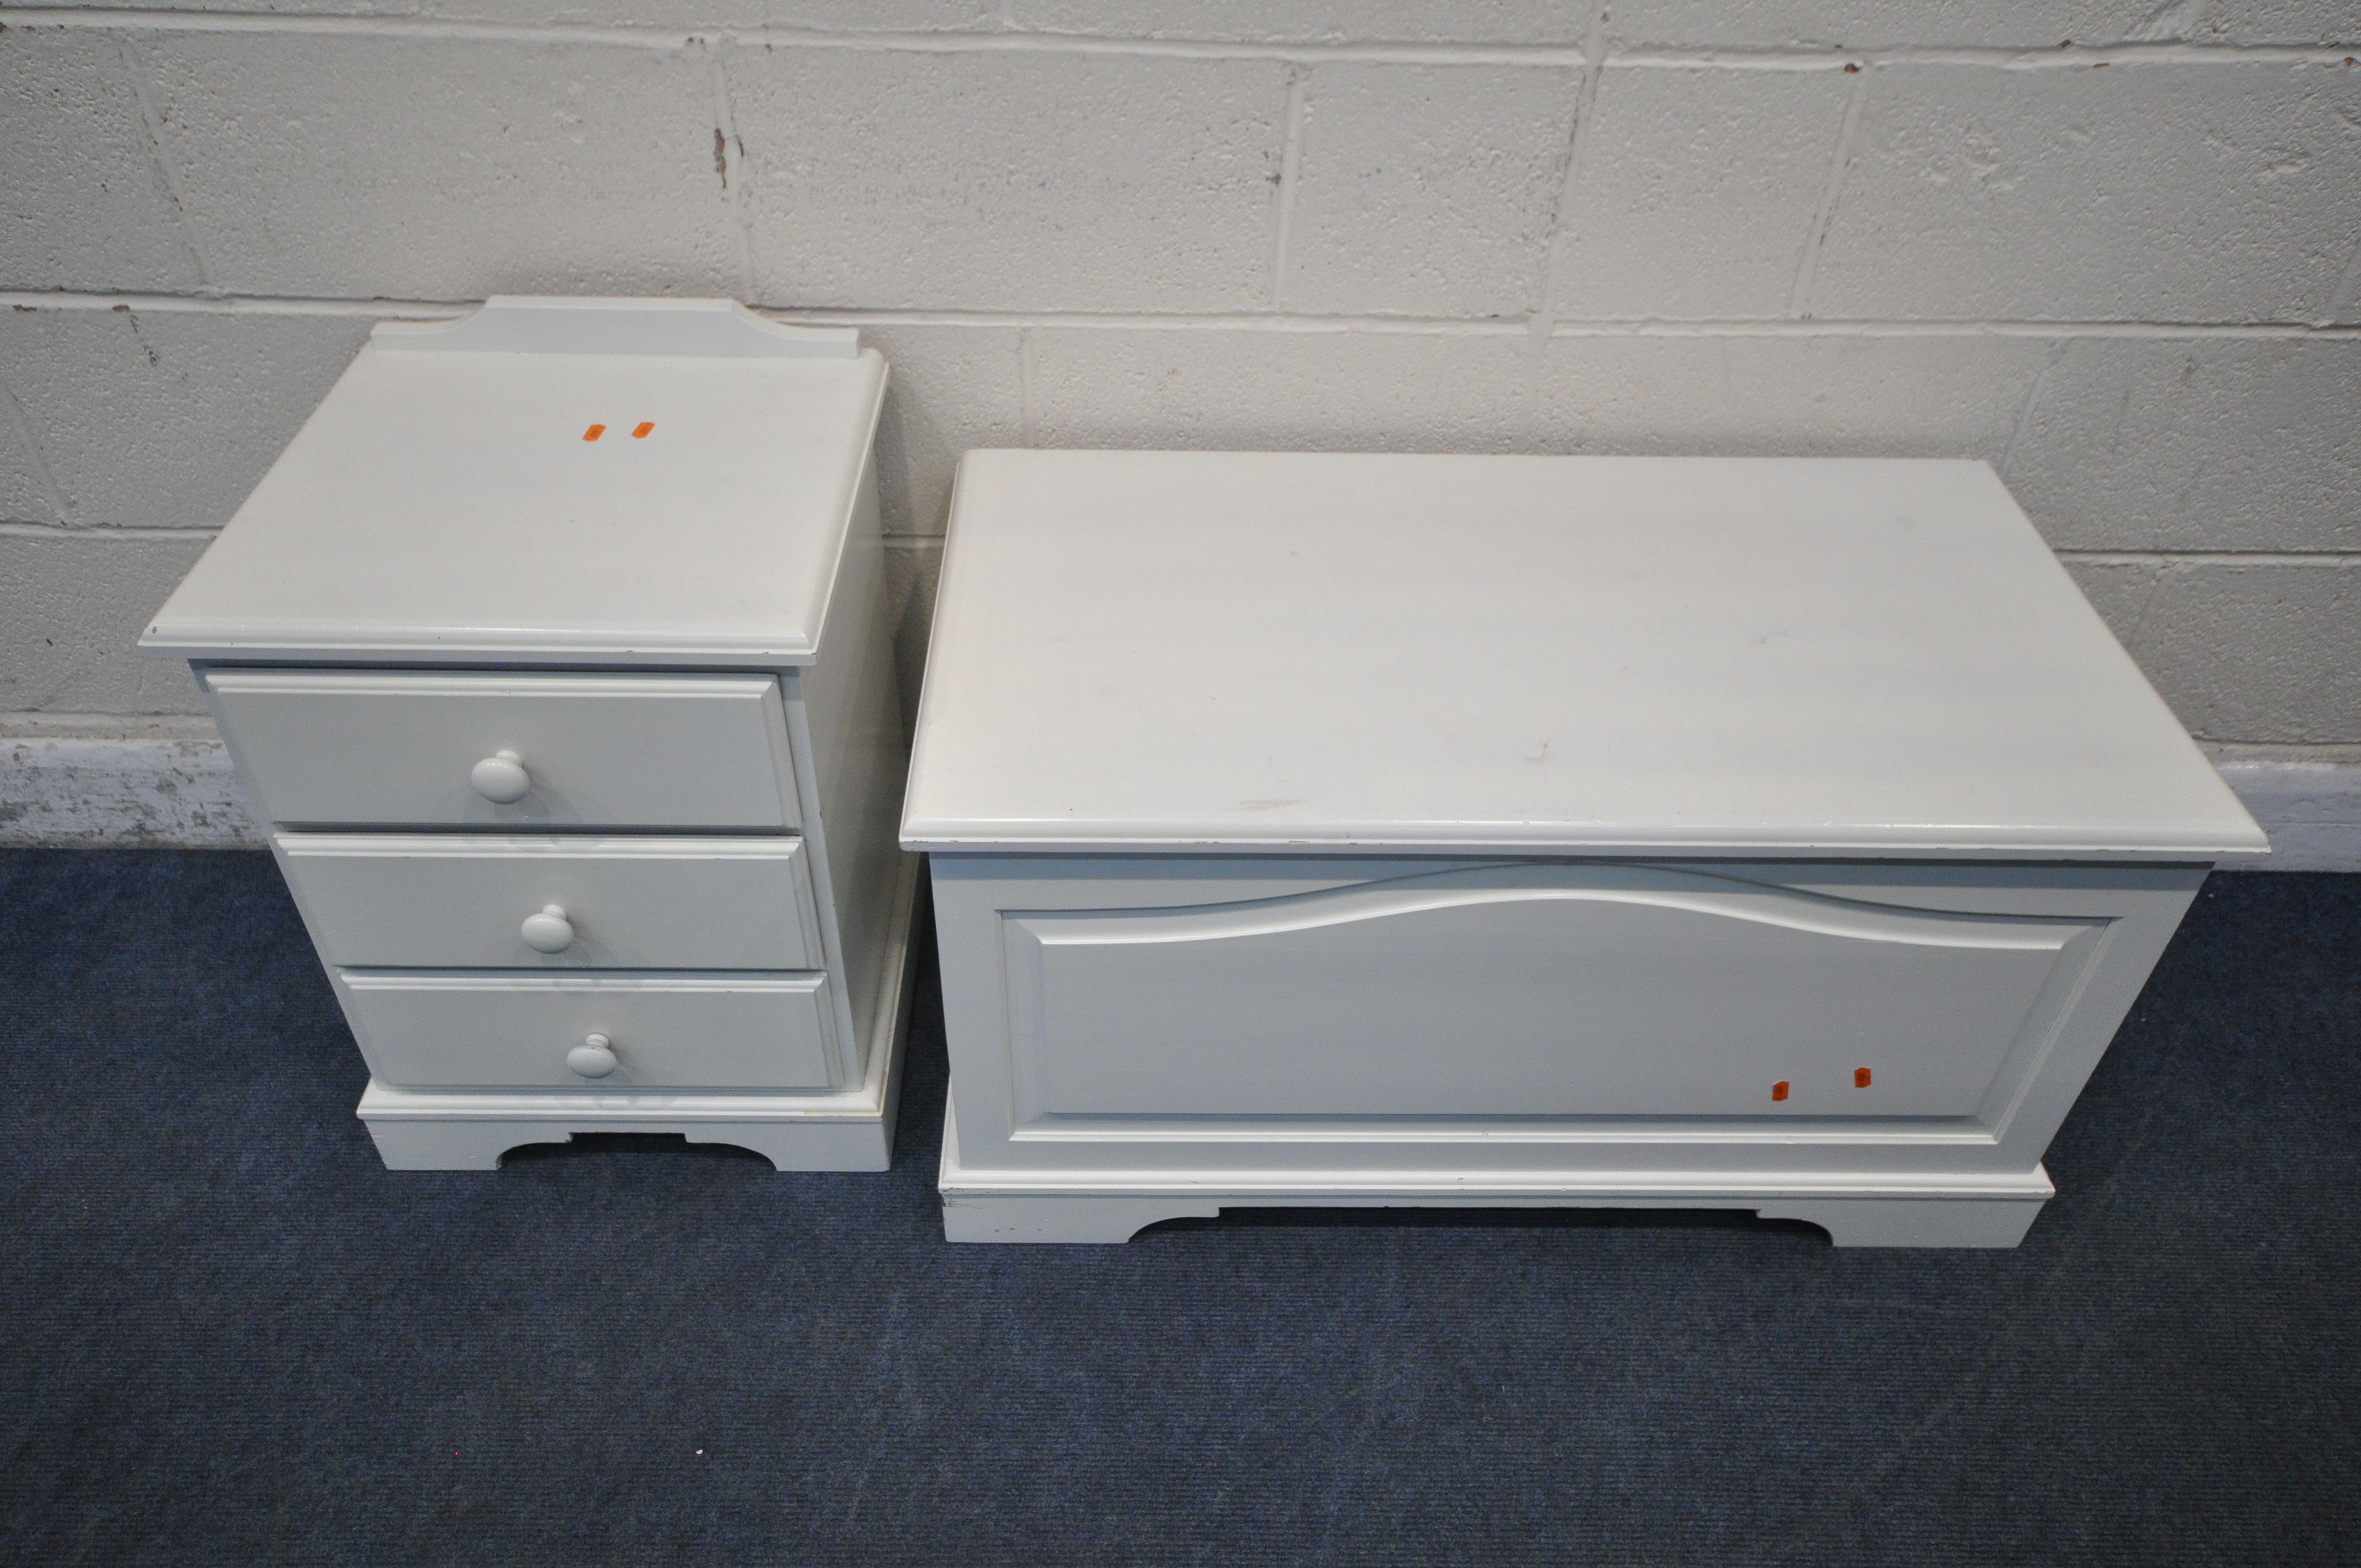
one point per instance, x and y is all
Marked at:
(86, 196)
(2277, 21)
(1313, 21)
(952, 387)
(25, 490)
(1761, 396)
(2102, 192)
(1890, 24)
(77, 600)
(443, 168)
(166, 419)
(1035, 180)
(1250, 387)
(2195, 630)
(1736, 160)
(2205, 443)
(1425, 190)
(2126, 271)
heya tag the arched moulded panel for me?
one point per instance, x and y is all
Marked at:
(1555, 990)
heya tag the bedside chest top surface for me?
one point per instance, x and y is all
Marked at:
(443, 503)
(1858, 658)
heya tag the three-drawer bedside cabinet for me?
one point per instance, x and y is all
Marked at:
(554, 649)
(1779, 835)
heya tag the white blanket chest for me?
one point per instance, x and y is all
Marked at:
(1783, 835)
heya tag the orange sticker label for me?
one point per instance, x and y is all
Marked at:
(1779, 1090)
(1861, 1078)
(642, 433)
(594, 433)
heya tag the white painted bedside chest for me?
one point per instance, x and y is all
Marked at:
(1768, 834)
(553, 649)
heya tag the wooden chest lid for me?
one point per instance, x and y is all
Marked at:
(1266, 652)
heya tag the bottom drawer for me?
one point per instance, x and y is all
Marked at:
(474, 1030)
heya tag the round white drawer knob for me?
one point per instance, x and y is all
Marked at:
(549, 931)
(594, 1058)
(501, 777)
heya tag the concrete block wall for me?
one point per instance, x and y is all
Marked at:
(2113, 247)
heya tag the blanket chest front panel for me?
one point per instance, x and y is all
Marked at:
(1144, 1013)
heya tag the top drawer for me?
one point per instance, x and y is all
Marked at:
(328, 747)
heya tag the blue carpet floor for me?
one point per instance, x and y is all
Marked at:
(228, 1336)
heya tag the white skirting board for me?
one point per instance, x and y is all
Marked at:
(179, 792)
(172, 791)
(2311, 810)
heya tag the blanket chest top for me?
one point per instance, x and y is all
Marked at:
(1257, 651)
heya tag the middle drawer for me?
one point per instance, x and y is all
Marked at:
(397, 901)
